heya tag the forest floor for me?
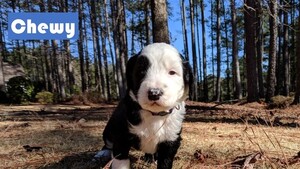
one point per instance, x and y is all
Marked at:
(214, 136)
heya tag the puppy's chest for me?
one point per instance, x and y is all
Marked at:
(156, 129)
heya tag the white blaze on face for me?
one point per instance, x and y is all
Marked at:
(165, 73)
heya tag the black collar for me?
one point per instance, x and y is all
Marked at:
(164, 113)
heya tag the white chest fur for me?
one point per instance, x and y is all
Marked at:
(156, 129)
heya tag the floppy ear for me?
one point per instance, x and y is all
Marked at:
(188, 77)
(129, 71)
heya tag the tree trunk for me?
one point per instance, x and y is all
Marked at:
(279, 70)
(108, 34)
(228, 94)
(235, 58)
(260, 48)
(218, 84)
(195, 65)
(104, 54)
(120, 43)
(286, 57)
(271, 80)
(212, 48)
(147, 24)
(184, 30)
(293, 48)
(249, 13)
(93, 18)
(199, 51)
(80, 48)
(297, 94)
(205, 85)
(160, 28)
(86, 54)
(2, 54)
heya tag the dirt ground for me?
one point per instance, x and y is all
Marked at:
(214, 136)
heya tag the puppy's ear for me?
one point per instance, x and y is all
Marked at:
(129, 70)
(188, 77)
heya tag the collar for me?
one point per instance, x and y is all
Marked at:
(164, 113)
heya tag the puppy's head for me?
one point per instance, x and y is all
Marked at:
(158, 78)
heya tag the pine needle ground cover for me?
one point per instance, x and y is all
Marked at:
(214, 136)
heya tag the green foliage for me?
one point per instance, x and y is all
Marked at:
(19, 90)
(44, 97)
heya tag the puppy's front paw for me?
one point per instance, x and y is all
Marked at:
(149, 158)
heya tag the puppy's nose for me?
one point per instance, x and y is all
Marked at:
(154, 94)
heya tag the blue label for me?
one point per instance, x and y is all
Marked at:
(31, 26)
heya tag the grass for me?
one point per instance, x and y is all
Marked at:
(72, 143)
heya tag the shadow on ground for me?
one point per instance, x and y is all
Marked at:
(76, 161)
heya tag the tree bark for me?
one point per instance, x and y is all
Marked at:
(120, 43)
(205, 85)
(249, 18)
(235, 59)
(228, 93)
(80, 48)
(259, 48)
(194, 54)
(108, 34)
(218, 84)
(184, 31)
(96, 46)
(271, 79)
(160, 28)
(297, 94)
(104, 54)
(285, 52)
(147, 24)
(2, 54)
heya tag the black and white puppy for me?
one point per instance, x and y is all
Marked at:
(149, 117)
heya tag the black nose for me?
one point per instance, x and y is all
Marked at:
(154, 94)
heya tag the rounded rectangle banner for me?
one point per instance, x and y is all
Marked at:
(38, 26)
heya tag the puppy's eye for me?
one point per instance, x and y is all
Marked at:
(172, 72)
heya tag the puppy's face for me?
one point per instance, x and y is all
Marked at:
(157, 78)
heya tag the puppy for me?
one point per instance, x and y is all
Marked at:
(149, 117)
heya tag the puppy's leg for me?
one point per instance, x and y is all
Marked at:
(166, 153)
(150, 158)
(120, 164)
(121, 155)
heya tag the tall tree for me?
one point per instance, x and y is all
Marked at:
(104, 54)
(46, 57)
(198, 47)
(2, 86)
(205, 84)
(184, 30)
(218, 29)
(259, 47)
(297, 94)
(147, 24)
(120, 42)
(228, 91)
(285, 51)
(194, 53)
(108, 36)
(80, 48)
(249, 18)
(235, 59)
(271, 79)
(160, 28)
(2, 50)
(96, 46)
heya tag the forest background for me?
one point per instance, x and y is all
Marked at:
(237, 49)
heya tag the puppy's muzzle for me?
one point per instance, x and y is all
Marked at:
(154, 94)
